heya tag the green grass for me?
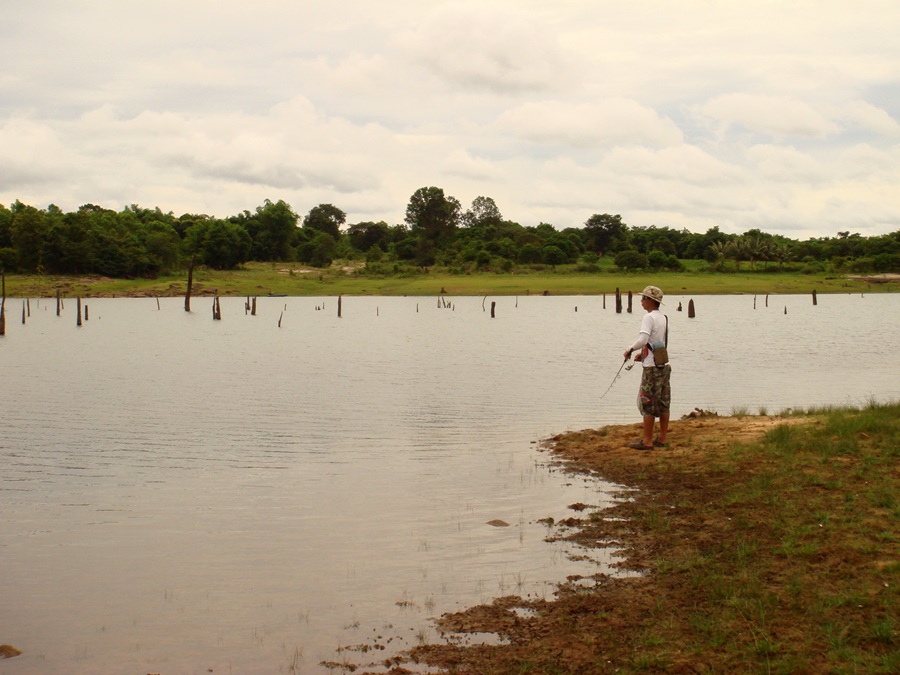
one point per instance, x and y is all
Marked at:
(820, 565)
(349, 279)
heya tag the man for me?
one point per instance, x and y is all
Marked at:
(655, 395)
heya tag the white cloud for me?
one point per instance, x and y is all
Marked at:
(610, 122)
(772, 115)
(782, 116)
(461, 163)
(871, 118)
(785, 164)
(487, 46)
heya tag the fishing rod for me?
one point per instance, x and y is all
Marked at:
(618, 373)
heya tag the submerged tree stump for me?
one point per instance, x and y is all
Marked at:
(190, 285)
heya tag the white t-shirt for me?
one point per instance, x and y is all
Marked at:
(653, 331)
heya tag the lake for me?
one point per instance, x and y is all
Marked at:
(183, 495)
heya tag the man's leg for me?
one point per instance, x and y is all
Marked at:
(648, 430)
(663, 427)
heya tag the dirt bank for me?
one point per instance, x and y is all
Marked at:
(677, 513)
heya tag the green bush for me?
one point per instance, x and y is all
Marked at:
(631, 260)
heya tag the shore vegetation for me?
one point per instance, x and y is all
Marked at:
(349, 278)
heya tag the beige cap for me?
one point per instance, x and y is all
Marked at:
(653, 293)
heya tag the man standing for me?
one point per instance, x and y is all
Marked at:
(655, 394)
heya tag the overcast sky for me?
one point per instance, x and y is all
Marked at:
(781, 115)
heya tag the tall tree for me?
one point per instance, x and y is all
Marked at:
(431, 215)
(483, 211)
(604, 231)
(272, 229)
(28, 233)
(5, 222)
(364, 236)
(326, 218)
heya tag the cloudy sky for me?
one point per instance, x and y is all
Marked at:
(779, 115)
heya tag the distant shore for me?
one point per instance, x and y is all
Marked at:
(261, 279)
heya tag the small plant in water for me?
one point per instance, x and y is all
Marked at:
(294, 660)
(422, 636)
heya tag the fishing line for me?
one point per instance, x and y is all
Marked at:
(618, 373)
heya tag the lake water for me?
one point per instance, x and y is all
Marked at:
(183, 495)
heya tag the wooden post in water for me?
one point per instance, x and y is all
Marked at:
(78, 320)
(253, 306)
(767, 299)
(604, 301)
(190, 285)
(691, 314)
(754, 302)
(23, 313)
(58, 302)
(629, 302)
(85, 312)
(157, 303)
(280, 318)
(618, 301)
(28, 305)
(340, 299)
(493, 308)
(815, 299)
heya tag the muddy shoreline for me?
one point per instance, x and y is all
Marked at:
(596, 624)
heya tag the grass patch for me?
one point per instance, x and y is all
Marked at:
(814, 585)
(351, 278)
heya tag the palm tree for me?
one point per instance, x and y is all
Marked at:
(720, 250)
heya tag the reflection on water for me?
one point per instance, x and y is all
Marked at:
(180, 494)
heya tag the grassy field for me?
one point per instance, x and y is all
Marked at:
(296, 280)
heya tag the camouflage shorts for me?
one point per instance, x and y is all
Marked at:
(655, 394)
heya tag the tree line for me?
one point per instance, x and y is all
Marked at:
(436, 231)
